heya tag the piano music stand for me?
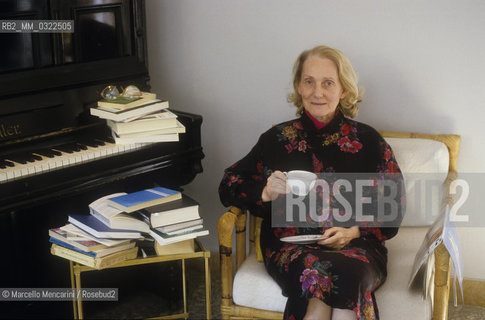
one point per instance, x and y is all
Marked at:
(76, 270)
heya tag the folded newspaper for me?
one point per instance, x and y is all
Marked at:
(443, 230)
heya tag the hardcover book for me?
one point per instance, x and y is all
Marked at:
(119, 115)
(97, 263)
(173, 212)
(98, 229)
(144, 199)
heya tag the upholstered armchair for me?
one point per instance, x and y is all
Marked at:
(249, 292)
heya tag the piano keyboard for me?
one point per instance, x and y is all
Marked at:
(16, 167)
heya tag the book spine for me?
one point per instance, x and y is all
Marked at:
(71, 242)
(72, 255)
(116, 258)
(69, 246)
(180, 225)
(167, 236)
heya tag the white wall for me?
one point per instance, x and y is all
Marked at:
(422, 64)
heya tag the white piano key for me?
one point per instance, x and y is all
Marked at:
(10, 174)
(58, 162)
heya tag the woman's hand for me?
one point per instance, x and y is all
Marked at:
(275, 186)
(338, 237)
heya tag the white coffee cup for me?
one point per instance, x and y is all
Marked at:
(300, 181)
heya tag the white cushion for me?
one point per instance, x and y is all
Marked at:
(424, 164)
(394, 299)
(253, 287)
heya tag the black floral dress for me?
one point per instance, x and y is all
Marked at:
(346, 278)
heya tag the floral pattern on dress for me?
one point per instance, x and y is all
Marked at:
(364, 308)
(348, 141)
(348, 145)
(316, 281)
(287, 255)
(355, 253)
(345, 138)
(317, 164)
(293, 137)
(388, 162)
(329, 139)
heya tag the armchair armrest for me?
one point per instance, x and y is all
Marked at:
(442, 281)
(234, 217)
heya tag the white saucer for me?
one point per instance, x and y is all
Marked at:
(303, 239)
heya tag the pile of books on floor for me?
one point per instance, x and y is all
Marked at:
(139, 120)
(165, 218)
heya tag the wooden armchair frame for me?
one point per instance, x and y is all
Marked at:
(236, 218)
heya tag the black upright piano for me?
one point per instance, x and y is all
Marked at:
(48, 83)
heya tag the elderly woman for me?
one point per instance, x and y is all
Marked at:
(334, 278)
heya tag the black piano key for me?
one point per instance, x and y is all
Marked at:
(75, 147)
(22, 158)
(5, 163)
(100, 142)
(89, 142)
(49, 153)
(64, 148)
(81, 146)
(109, 139)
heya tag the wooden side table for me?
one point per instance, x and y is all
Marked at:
(76, 270)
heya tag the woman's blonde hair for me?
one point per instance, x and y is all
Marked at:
(353, 93)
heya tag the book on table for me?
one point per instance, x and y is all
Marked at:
(94, 262)
(181, 210)
(163, 238)
(177, 227)
(115, 218)
(119, 115)
(181, 247)
(74, 233)
(153, 121)
(93, 226)
(77, 241)
(144, 199)
(122, 103)
(95, 253)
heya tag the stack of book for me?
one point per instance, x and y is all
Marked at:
(139, 120)
(174, 221)
(71, 242)
(117, 221)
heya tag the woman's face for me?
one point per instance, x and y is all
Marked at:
(320, 88)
